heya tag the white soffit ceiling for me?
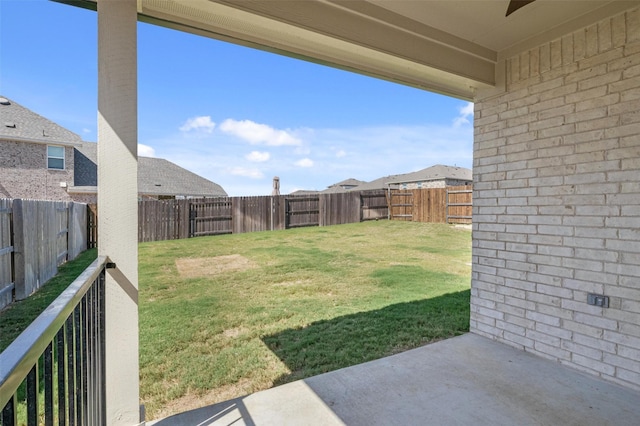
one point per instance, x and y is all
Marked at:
(483, 21)
(446, 46)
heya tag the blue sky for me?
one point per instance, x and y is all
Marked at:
(234, 115)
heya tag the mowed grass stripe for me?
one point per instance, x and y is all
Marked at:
(224, 316)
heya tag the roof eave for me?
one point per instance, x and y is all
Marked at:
(458, 69)
(40, 141)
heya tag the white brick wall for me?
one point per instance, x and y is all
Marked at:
(557, 202)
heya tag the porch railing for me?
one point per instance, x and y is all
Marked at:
(61, 353)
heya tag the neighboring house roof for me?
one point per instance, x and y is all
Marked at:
(21, 124)
(304, 192)
(348, 182)
(380, 183)
(437, 172)
(156, 176)
(343, 186)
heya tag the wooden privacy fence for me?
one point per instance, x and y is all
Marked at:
(176, 219)
(436, 205)
(35, 238)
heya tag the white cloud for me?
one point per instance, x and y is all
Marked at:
(467, 110)
(202, 124)
(305, 162)
(86, 131)
(243, 171)
(466, 113)
(258, 157)
(256, 133)
(341, 153)
(146, 151)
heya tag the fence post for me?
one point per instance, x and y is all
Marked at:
(77, 226)
(18, 249)
(183, 218)
(286, 213)
(92, 226)
(323, 201)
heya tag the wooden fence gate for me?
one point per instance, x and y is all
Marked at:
(459, 205)
(210, 217)
(374, 205)
(434, 205)
(302, 211)
(401, 205)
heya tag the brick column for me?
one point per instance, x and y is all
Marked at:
(118, 202)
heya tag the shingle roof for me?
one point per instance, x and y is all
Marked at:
(304, 192)
(18, 122)
(380, 183)
(348, 182)
(436, 172)
(156, 176)
(344, 186)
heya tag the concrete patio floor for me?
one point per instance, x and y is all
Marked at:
(466, 380)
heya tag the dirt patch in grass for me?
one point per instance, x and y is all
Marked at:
(208, 266)
(234, 332)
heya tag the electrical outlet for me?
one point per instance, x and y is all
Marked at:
(598, 300)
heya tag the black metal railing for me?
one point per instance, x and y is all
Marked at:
(54, 372)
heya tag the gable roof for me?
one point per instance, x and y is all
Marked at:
(348, 182)
(156, 176)
(380, 183)
(22, 124)
(437, 172)
(343, 186)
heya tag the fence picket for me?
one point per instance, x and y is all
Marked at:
(6, 253)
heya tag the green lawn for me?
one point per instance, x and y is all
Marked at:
(224, 316)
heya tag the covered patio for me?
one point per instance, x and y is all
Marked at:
(555, 299)
(466, 380)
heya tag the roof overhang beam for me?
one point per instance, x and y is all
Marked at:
(356, 36)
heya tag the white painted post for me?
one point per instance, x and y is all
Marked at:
(118, 202)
